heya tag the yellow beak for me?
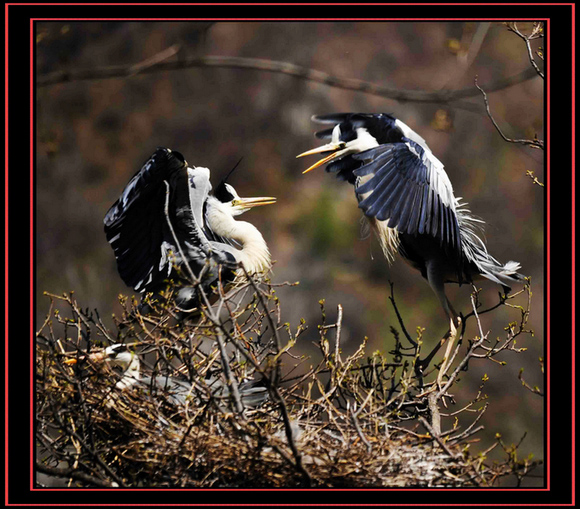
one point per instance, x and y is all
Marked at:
(330, 147)
(94, 357)
(248, 203)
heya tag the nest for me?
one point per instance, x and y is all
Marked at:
(358, 421)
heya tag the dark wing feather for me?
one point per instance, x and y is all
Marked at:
(136, 225)
(409, 188)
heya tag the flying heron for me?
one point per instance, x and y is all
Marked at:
(408, 199)
(252, 394)
(167, 225)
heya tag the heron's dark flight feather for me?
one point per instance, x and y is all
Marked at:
(398, 188)
(140, 234)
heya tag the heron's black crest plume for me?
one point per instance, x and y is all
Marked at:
(118, 348)
(221, 192)
(232, 170)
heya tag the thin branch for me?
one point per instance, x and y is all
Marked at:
(530, 143)
(304, 73)
(73, 473)
(535, 180)
(338, 330)
(156, 59)
(534, 389)
(437, 437)
(401, 323)
(230, 381)
(536, 34)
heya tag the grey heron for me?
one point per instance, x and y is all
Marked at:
(252, 394)
(406, 195)
(167, 225)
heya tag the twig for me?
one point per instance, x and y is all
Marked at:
(436, 436)
(534, 390)
(468, 432)
(73, 473)
(338, 330)
(530, 143)
(174, 235)
(401, 323)
(468, 355)
(535, 180)
(230, 381)
(154, 60)
(536, 34)
(354, 416)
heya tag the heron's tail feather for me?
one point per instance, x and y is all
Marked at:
(501, 274)
(511, 270)
(476, 252)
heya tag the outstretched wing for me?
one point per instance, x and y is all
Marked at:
(399, 180)
(407, 186)
(161, 203)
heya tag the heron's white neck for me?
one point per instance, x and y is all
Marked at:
(129, 362)
(254, 253)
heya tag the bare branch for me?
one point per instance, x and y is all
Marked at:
(535, 143)
(537, 32)
(441, 96)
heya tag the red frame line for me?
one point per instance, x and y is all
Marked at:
(6, 247)
(32, 46)
(32, 20)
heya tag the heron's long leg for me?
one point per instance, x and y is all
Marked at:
(451, 335)
(437, 284)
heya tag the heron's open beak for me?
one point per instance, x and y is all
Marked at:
(248, 203)
(334, 148)
(95, 357)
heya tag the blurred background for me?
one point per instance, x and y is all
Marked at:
(92, 136)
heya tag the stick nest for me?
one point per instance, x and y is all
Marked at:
(365, 420)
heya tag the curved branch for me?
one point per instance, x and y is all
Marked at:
(535, 143)
(440, 96)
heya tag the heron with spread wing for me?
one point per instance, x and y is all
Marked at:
(166, 225)
(406, 195)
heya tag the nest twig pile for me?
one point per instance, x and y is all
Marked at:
(358, 421)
